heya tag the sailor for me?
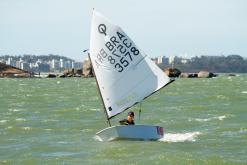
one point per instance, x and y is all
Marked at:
(129, 120)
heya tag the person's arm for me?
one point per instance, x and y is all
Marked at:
(123, 122)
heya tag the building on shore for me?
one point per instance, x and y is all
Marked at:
(77, 65)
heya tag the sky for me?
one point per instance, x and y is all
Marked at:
(159, 27)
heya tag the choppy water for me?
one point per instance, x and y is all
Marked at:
(53, 121)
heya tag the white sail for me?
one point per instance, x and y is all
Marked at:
(125, 75)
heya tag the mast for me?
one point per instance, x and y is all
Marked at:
(107, 117)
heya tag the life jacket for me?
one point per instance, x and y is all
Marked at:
(126, 122)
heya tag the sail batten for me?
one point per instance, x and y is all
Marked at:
(124, 74)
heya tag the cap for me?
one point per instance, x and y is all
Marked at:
(131, 113)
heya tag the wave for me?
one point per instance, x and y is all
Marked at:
(48, 129)
(26, 128)
(91, 109)
(14, 110)
(243, 130)
(22, 84)
(180, 137)
(245, 92)
(98, 138)
(211, 118)
(222, 97)
(235, 133)
(95, 109)
(169, 137)
(59, 154)
(20, 119)
(3, 121)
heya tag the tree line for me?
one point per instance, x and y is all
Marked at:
(216, 64)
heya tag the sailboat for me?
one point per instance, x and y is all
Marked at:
(125, 76)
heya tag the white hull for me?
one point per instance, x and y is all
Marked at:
(131, 132)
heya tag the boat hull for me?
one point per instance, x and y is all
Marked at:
(131, 132)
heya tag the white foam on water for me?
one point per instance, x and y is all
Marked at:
(86, 130)
(243, 130)
(20, 119)
(3, 121)
(3, 161)
(180, 137)
(222, 97)
(98, 138)
(26, 128)
(244, 92)
(201, 120)
(14, 110)
(168, 137)
(221, 117)
(95, 109)
(9, 127)
(62, 142)
(211, 118)
(48, 129)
